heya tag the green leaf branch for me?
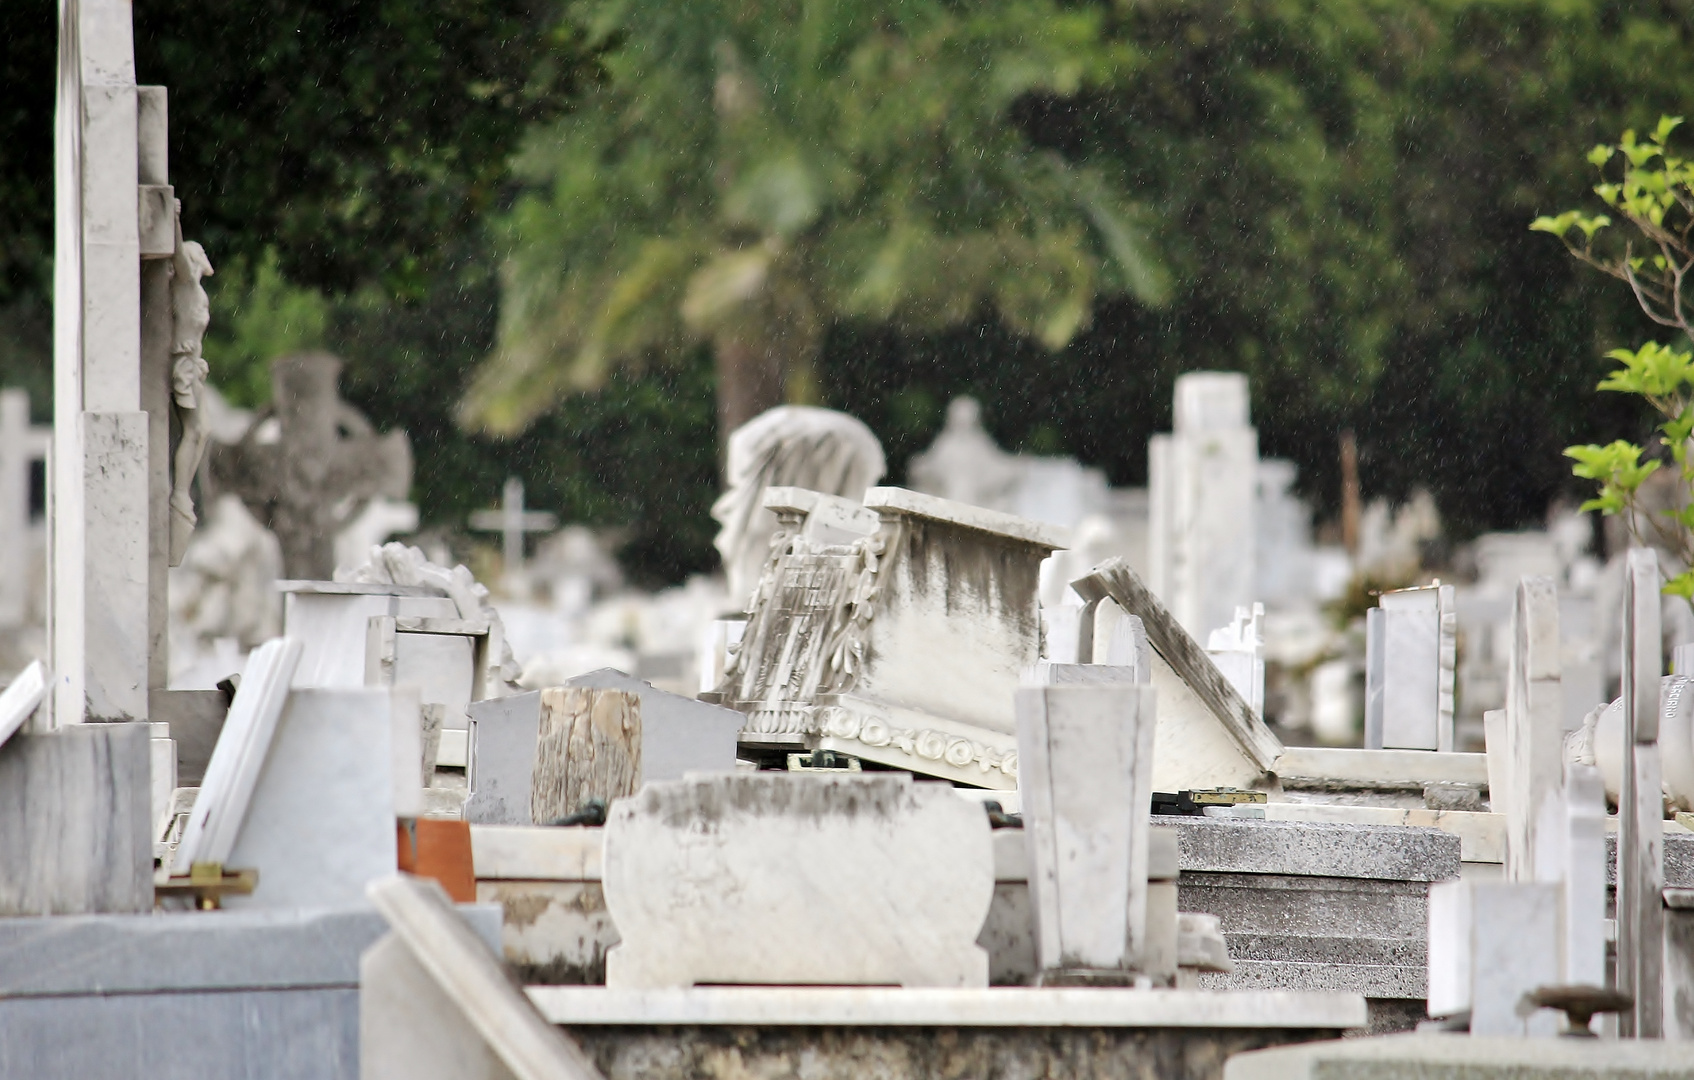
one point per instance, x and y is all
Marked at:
(1652, 190)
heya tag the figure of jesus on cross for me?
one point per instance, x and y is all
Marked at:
(511, 521)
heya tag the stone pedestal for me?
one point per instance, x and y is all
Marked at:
(1086, 757)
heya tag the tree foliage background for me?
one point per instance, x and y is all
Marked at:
(1340, 190)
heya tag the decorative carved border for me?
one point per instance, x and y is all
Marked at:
(929, 744)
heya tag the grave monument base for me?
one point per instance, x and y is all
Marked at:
(831, 1033)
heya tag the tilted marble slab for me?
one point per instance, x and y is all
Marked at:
(1208, 736)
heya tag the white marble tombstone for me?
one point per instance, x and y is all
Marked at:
(679, 735)
(1411, 638)
(98, 576)
(840, 879)
(1202, 481)
(239, 755)
(1534, 721)
(321, 822)
(1208, 735)
(1570, 842)
(1085, 752)
(1237, 650)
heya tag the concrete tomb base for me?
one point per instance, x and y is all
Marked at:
(1318, 906)
(269, 995)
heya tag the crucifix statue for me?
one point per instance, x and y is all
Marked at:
(190, 315)
(511, 521)
(310, 462)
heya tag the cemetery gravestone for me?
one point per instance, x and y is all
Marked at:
(1640, 865)
(1236, 650)
(512, 521)
(791, 879)
(1411, 646)
(321, 823)
(99, 565)
(678, 735)
(588, 747)
(1201, 481)
(1534, 721)
(1208, 736)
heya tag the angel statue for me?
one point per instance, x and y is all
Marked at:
(191, 313)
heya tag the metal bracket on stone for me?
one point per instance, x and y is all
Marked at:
(208, 883)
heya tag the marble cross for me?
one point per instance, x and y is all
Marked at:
(310, 462)
(511, 521)
(109, 158)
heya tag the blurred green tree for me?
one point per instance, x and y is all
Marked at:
(749, 172)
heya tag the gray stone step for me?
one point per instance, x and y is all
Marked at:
(1371, 980)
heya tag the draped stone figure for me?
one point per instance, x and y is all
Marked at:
(788, 446)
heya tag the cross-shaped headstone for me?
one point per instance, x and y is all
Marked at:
(21, 446)
(511, 521)
(310, 462)
(114, 213)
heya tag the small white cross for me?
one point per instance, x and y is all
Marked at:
(511, 521)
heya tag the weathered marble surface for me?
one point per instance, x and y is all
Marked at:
(1318, 906)
(1317, 849)
(788, 446)
(782, 878)
(75, 821)
(1208, 736)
